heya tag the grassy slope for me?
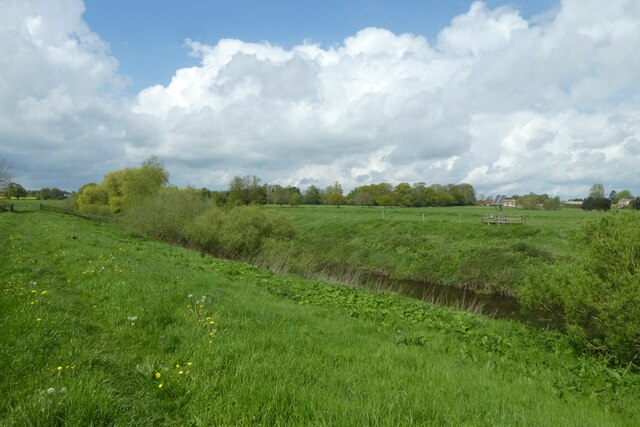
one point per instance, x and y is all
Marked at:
(450, 246)
(279, 351)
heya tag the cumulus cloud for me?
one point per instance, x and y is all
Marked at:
(506, 104)
(57, 120)
(497, 101)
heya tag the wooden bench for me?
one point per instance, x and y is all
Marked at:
(502, 219)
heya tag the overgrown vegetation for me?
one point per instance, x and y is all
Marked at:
(103, 328)
(184, 217)
(122, 189)
(599, 289)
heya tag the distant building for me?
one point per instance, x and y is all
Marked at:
(509, 203)
(624, 203)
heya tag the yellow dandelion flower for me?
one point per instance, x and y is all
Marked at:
(160, 385)
(189, 363)
(157, 375)
(212, 322)
(38, 319)
(43, 292)
(180, 372)
(177, 366)
(60, 368)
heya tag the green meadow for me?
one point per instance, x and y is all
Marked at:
(100, 327)
(449, 246)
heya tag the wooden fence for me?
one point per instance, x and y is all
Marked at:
(6, 207)
(503, 220)
(76, 213)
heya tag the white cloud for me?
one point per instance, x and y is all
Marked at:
(56, 119)
(551, 105)
(480, 31)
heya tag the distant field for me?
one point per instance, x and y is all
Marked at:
(441, 245)
(32, 204)
(98, 327)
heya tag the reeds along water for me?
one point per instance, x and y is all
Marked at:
(487, 304)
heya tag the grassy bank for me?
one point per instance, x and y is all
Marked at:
(441, 245)
(101, 327)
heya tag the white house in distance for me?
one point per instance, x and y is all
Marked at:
(624, 203)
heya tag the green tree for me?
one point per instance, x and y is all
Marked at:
(403, 194)
(247, 190)
(440, 196)
(237, 194)
(596, 204)
(50, 194)
(295, 199)
(91, 198)
(278, 195)
(257, 192)
(531, 201)
(16, 190)
(419, 194)
(552, 203)
(464, 194)
(123, 188)
(334, 196)
(361, 198)
(128, 186)
(596, 191)
(384, 200)
(312, 196)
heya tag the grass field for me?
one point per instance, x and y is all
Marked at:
(440, 245)
(98, 327)
(33, 204)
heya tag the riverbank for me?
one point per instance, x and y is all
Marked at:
(99, 326)
(444, 246)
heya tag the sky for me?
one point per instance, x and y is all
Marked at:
(510, 96)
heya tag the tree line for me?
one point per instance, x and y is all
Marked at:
(249, 190)
(14, 190)
(597, 199)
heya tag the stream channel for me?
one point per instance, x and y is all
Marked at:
(498, 306)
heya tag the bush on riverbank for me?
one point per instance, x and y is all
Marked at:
(599, 292)
(184, 217)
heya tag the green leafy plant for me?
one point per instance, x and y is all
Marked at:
(598, 290)
(236, 232)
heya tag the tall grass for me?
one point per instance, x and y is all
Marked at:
(449, 246)
(100, 327)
